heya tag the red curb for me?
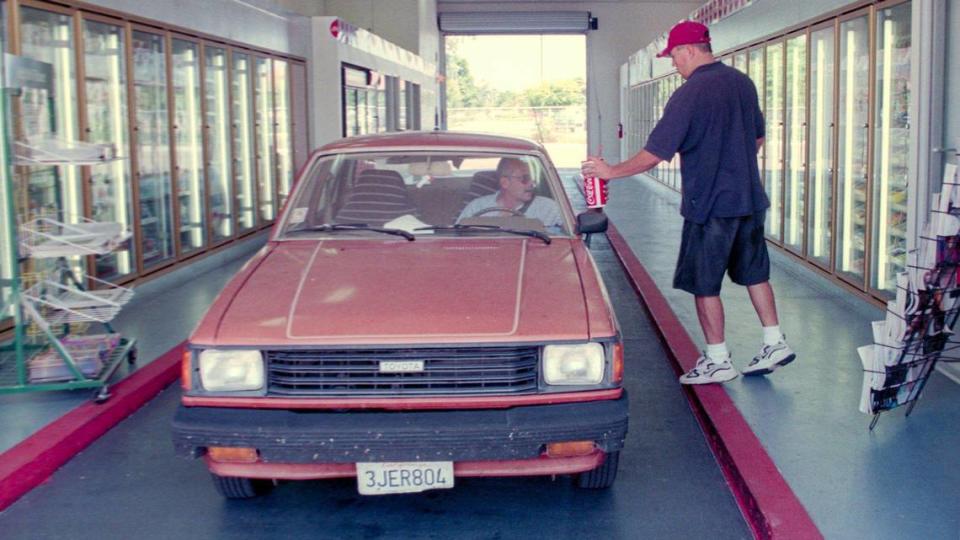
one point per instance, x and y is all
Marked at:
(768, 504)
(30, 463)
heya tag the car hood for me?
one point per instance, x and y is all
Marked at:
(428, 291)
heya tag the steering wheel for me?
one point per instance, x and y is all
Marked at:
(497, 209)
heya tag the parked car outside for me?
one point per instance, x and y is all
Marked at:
(401, 327)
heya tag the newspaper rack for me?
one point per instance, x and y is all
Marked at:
(917, 332)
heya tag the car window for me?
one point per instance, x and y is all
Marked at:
(419, 190)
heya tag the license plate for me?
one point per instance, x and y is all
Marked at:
(405, 477)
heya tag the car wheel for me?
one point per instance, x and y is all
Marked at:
(241, 488)
(603, 476)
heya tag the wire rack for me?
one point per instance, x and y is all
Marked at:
(59, 303)
(45, 237)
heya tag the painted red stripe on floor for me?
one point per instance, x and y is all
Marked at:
(30, 463)
(769, 505)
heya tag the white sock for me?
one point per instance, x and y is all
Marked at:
(772, 335)
(718, 351)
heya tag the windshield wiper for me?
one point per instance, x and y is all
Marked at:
(487, 228)
(353, 227)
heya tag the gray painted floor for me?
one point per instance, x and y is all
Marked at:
(129, 485)
(161, 315)
(899, 481)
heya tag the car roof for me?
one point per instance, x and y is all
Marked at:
(431, 140)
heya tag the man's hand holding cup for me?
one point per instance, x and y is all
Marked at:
(594, 169)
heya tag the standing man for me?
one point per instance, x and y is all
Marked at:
(714, 121)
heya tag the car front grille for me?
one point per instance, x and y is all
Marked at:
(357, 372)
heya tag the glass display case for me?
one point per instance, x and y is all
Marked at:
(263, 125)
(401, 105)
(298, 121)
(740, 61)
(821, 152)
(53, 191)
(243, 150)
(188, 140)
(281, 102)
(773, 158)
(105, 91)
(891, 134)
(853, 137)
(6, 251)
(755, 71)
(218, 157)
(153, 148)
(795, 154)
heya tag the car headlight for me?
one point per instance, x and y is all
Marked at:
(573, 364)
(231, 371)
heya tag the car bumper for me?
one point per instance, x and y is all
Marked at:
(328, 437)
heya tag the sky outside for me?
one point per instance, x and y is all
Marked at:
(518, 62)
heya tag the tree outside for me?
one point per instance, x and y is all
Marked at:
(535, 89)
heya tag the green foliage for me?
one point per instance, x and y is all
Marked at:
(464, 91)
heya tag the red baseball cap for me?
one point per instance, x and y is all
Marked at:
(685, 33)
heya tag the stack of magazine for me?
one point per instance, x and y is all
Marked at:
(917, 330)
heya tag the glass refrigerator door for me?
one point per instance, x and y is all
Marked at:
(263, 123)
(216, 123)
(298, 81)
(773, 164)
(153, 151)
(755, 71)
(42, 190)
(243, 150)
(187, 128)
(105, 86)
(281, 101)
(822, 104)
(795, 158)
(740, 61)
(891, 140)
(853, 134)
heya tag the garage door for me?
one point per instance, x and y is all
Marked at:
(516, 22)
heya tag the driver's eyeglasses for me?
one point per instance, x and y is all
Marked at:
(523, 178)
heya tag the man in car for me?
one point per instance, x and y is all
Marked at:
(516, 196)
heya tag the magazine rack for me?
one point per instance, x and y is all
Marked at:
(59, 303)
(918, 330)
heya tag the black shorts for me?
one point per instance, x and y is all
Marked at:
(735, 245)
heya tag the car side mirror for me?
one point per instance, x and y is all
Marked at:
(590, 222)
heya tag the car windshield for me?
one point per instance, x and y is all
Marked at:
(429, 193)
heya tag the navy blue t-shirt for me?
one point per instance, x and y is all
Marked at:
(714, 121)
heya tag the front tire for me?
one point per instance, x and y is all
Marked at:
(240, 488)
(603, 476)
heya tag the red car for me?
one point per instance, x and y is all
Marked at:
(424, 310)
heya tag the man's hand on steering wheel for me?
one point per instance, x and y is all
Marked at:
(497, 209)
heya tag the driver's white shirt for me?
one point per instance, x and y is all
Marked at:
(543, 208)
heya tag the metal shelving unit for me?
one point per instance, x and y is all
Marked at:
(55, 356)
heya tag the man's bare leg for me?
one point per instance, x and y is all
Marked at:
(710, 313)
(764, 303)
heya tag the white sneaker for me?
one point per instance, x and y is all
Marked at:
(708, 371)
(770, 358)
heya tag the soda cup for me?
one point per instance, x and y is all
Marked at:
(594, 192)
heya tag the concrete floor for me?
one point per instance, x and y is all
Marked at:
(897, 481)
(129, 485)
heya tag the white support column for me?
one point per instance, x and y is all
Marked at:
(926, 109)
